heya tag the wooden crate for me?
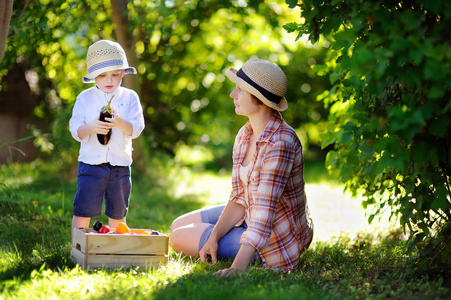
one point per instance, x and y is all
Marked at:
(94, 250)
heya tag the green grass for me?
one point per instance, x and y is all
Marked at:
(35, 216)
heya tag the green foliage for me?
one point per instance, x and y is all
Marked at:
(183, 49)
(390, 121)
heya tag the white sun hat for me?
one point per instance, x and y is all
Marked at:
(104, 56)
(263, 79)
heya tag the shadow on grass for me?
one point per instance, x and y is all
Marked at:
(30, 244)
(35, 221)
(256, 283)
(346, 269)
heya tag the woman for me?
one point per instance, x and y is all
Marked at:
(266, 218)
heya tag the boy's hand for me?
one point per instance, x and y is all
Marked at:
(122, 124)
(96, 126)
(99, 127)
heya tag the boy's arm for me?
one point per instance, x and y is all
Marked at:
(135, 116)
(96, 126)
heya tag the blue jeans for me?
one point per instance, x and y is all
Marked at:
(99, 182)
(230, 243)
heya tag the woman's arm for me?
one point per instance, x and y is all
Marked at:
(232, 214)
(240, 263)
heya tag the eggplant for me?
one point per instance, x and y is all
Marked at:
(106, 112)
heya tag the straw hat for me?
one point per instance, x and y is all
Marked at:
(263, 79)
(104, 56)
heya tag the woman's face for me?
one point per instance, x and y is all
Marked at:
(245, 105)
(109, 81)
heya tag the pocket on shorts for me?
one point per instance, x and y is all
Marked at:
(82, 169)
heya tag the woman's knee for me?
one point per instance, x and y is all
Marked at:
(186, 238)
(175, 240)
(183, 240)
(186, 219)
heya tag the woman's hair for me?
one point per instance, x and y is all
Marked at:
(257, 101)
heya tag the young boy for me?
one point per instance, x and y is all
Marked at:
(104, 169)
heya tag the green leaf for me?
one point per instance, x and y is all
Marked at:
(327, 139)
(439, 126)
(433, 6)
(346, 137)
(416, 55)
(437, 91)
(334, 77)
(353, 81)
(441, 202)
(345, 38)
(290, 27)
(331, 159)
(291, 3)
(433, 70)
(366, 150)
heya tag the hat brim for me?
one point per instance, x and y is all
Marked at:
(90, 78)
(231, 74)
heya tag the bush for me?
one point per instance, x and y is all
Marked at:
(390, 66)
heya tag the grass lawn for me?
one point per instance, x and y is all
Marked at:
(349, 259)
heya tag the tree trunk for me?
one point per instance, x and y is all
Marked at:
(127, 40)
(6, 10)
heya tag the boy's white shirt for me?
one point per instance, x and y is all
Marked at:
(118, 151)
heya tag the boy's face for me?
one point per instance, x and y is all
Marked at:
(109, 81)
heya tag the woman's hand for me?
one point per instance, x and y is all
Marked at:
(230, 272)
(240, 263)
(233, 212)
(210, 248)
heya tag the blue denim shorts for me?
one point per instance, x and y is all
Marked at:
(230, 243)
(97, 183)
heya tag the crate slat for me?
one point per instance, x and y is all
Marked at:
(113, 261)
(93, 250)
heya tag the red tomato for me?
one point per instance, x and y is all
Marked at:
(104, 229)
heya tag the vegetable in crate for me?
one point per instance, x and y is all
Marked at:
(122, 228)
(106, 112)
(97, 225)
(105, 229)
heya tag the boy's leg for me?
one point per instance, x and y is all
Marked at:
(92, 181)
(113, 222)
(79, 222)
(117, 196)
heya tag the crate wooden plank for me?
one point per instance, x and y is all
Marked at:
(113, 261)
(94, 243)
(79, 257)
(94, 250)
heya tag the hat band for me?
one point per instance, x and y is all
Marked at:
(105, 64)
(267, 94)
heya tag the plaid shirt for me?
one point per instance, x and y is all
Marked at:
(277, 216)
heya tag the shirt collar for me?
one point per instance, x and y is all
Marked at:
(106, 95)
